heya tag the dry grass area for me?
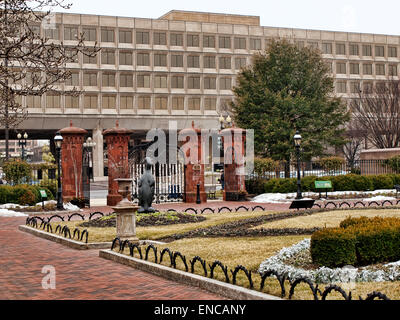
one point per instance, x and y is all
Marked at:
(157, 232)
(327, 219)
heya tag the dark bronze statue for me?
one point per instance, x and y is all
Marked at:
(146, 189)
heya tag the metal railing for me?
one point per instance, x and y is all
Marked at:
(314, 168)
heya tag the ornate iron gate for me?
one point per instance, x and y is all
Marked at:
(169, 178)
(86, 174)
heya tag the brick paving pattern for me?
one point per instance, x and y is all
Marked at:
(79, 274)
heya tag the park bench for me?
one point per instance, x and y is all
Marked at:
(323, 185)
(211, 191)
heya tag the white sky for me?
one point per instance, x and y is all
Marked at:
(366, 16)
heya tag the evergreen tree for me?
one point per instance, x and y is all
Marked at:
(288, 89)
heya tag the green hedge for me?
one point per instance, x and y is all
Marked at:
(22, 194)
(348, 182)
(358, 241)
(333, 247)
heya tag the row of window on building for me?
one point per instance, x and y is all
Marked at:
(109, 101)
(159, 59)
(156, 38)
(148, 80)
(365, 68)
(354, 49)
(211, 41)
(356, 87)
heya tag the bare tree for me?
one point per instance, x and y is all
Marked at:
(377, 113)
(354, 141)
(30, 63)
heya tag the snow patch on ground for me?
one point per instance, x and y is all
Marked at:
(10, 213)
(5, 209)
(288, 197)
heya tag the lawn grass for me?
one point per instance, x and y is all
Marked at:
(157, 232)
(327, 219)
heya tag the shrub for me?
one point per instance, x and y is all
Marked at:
(16, 171)
(382, 181)
(262, 165)
(269, 185)
(80, 202)
(393, 163)
(285, 185)
(376, 240)
(342, 183)
(362, 183)
(333, 247)
(22, 194)
(308, 183)
(255, 186)
(331, 163)
(27, 198)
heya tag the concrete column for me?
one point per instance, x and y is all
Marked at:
(98, 155)
(71, 162)
(234, 169)
(194, 168)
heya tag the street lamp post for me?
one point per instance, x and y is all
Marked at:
(22, 143)
(89, 144)
(223, 123)
(58, 139)
(297, 142)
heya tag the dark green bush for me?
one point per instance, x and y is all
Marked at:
(376, 240)
(382, 181)
(22, 194)
(333, 247)
(270, 184)
(394, 163)
(308, 183)
(255, 186)
(285, 186)
(342, 183)
(348, 182)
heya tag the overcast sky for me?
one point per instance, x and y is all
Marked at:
(367, 16)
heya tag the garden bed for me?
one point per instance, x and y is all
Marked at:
(145, 220)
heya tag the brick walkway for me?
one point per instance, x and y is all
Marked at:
(79, 274)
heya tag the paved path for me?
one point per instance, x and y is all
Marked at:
(79, 274)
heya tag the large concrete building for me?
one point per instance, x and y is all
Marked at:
(182, 67)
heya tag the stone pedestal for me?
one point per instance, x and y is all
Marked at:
(194, 168)
(126, 213)
(234, 166)
(71, 162)
(117, 140)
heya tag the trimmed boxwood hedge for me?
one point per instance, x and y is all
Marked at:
(22, 194)
(358, 242)
(348, 182)
(332, 247)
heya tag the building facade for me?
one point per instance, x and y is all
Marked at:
(182, 67)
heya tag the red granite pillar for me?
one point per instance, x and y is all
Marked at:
(194, 168)
(71, 162)
(234, 166)
(117, 140)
